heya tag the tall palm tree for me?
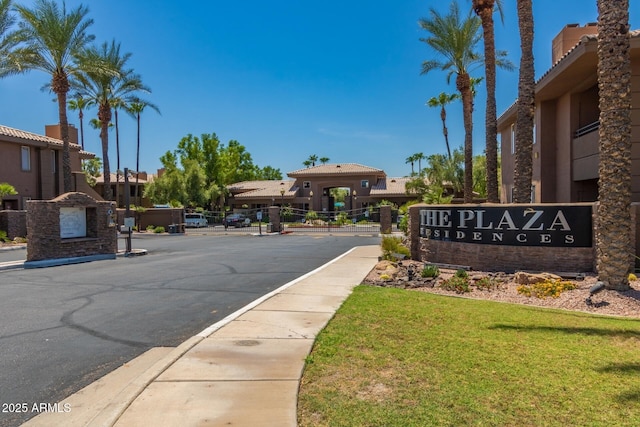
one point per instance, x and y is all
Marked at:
(419, 158)
(313, 159)
(411, 159)
(78, 103)
(613, 235)
(51, 37)
(123, 93)
(525, 108)
(135, 109)
(442, 101)
(324, 160)
(455, 39)
(484, 9)
(100, 88)
(7, 40)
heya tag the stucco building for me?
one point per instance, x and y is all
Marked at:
(32, 164)
(309, 188)
(566, 143)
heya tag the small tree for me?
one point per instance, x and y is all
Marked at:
(6, 190)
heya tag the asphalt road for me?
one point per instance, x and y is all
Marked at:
(62, 328)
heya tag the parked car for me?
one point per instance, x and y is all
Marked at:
(195, 220)
(237, 220)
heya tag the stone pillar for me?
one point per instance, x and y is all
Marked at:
(385, 219)
(69, 226)
(274, 218)
(413, 231)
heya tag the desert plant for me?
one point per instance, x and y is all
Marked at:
(547, 288)
(456, 284)
(3, 236)
(462, 274)
(393, 245)
(151, 227)
(158, 229)
(486, 283)
(430, 270)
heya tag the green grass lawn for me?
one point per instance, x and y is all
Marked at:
(393, 357)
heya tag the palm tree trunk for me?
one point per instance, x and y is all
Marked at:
(117, 160)
(104, 115)
(463, 84)
(445, 132)
(60, 86)
(525, 108)
(614, 246)
(81, 117)
(138, 161)
(491, 120)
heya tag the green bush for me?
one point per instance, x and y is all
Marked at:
(3, 236)
(487, 283)
(462, 274)
(311, 215)
(391, 245)
(151, 227)
(430, 270)
(158, 229)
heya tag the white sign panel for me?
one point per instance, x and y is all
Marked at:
(73, 222)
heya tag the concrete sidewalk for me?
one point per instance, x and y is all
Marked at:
(243, 371)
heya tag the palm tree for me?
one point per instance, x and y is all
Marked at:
(101, 87)
(419, 158)
(51, 38)
(411, 159)
(523, 166)
(7, 40)
(79, 103)
(442, 101)
(324, 160)
(484, 10)
(135, 109)
(313, 159)
(613, 234)
(307, 163)
(123, 93)
(455, 38)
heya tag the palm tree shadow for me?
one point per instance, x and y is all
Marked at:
(622, 333)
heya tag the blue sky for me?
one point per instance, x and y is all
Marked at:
(287, 79)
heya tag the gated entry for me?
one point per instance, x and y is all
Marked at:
(364, 220)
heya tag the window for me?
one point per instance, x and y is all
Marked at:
(306, 184)
(54, 161)
(364, 183)
(26, 159)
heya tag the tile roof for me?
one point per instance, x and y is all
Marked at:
(132, 178)
(336, 169)
(390, 187)
(263, 189)
(28, 136)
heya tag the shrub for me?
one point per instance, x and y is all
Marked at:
(385, 277)
(462, 274)
(19, 240)
(547, 288)
(430, 270)
(632, 277)
(311, 216)
(158, 229)
(391, 245)
(151, 227)
(456, 284)
(3, 236)
(487, 284)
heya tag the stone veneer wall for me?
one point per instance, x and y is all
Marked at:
(14, 223)
(43, 229)
(498, 257)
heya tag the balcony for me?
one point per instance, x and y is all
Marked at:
(585, 152)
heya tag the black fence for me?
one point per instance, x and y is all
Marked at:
(365, 220)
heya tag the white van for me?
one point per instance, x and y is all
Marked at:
(195, 220)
